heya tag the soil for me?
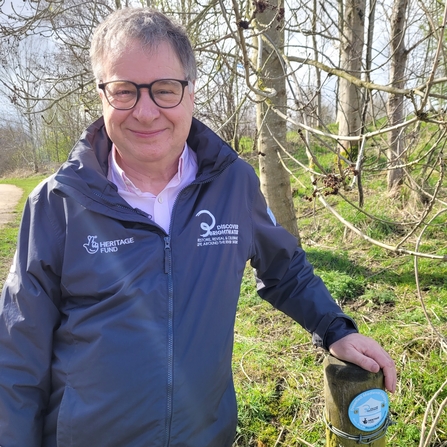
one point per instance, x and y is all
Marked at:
(9, 197)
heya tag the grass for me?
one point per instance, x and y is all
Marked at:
(279, 374)
(273, 357)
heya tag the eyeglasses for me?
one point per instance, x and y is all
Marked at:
(124, 95)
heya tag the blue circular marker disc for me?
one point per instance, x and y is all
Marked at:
(369, 409)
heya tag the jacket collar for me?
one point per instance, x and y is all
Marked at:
(213, 154)
(84, 174)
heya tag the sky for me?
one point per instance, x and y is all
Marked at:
(6, 6)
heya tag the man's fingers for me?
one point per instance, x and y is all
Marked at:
(368, 354)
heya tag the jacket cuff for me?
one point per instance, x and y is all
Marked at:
(333, 327)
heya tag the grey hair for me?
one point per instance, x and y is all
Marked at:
(146, 26)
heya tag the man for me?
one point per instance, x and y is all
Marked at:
(117, 316)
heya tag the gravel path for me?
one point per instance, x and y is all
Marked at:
(9, 197)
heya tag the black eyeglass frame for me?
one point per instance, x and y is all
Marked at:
(183, 82)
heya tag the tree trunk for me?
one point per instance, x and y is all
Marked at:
(318, 111)
(349, 96)
(368, 61)
(395, 104)
(32, 132)
(275, 180)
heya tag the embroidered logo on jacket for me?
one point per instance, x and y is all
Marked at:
(216, 234)
(93, 247)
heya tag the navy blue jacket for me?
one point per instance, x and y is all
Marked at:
(116, 334)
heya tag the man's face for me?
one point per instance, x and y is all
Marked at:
(147, 135)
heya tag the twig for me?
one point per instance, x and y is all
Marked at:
(344, 137)
(443, 341)
(424, 442)
(430, 205)
(242, 366)
(373, 241)
(436, 60)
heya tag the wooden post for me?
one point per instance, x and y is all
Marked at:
(342, 383)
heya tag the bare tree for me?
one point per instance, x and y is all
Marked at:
(352, 29)
(11, 138)
(19, 74)
(398, 65)
(271, 128)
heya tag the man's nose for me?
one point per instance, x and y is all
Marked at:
(145, 106)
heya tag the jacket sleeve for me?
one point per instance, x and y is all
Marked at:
(286, 279)
(28, 317)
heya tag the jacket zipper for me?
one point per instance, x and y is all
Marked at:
(168, 271)
(170, 382)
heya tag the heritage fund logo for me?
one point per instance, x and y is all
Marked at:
(92, 246)
(213, 234)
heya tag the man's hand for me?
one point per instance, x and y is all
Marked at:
(368, 354)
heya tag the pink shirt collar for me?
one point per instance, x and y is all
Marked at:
(158, 207)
